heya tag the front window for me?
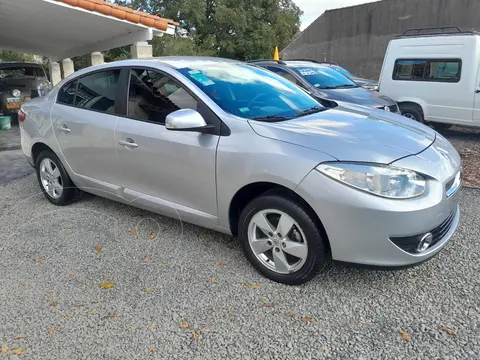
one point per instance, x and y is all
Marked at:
(21, 71)
(250, 92)
(324, 77)
(343, 71)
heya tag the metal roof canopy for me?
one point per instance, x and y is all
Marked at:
(58, 31)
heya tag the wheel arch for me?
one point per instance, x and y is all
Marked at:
(37, 148)
(254, 190)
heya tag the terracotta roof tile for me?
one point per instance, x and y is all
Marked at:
(122, 13)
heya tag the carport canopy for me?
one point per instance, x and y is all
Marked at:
(60, 29)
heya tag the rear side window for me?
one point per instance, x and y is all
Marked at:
(444, 70)
(97, 91)
(66, 95)
(283, 73)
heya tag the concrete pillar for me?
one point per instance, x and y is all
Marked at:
(141, 50)
(97, 58)
(67, 66)
(55, 73)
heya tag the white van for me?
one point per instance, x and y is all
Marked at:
(434, 75)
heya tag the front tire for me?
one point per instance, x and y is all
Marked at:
(282, 240)
(54, 181)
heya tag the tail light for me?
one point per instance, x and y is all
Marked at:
(21, 116)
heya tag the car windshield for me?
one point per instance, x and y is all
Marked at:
(343, 71)
(21, 71)
(251, 92)
(324, 77)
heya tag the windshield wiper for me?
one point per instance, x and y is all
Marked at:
(313, 110)
(271, 118)
(340, 86)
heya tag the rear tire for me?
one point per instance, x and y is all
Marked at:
(413, 112)
(291, 258)
(54, 181)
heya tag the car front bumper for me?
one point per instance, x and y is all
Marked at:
(361, 227)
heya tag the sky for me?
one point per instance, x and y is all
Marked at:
(314, 8)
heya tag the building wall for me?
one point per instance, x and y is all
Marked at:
(357, 37)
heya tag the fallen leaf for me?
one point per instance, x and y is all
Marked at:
(196, 335)
(153, 235)
(52, 330)
(92, 313)
(154, 325)
(107, 285)
(148, 290)
(365, 321)
(67, 316)
(154, 350)
(100, 345)
(27, 286)
(214, 279)
(324, 349)
(405, 336)
(53, 304)
(17, 351)
(251, 286)
(163, 265)
(69, 273)
(147, 257)
(306, 319)
(184, 325)
(99, 248)
(270, 305)
(4, 348)
(18, 337)
(291, 315)
(37, 260)
(449, 331)
(221, 263)
(133, 232)
(115, 315)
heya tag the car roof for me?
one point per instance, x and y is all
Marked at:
(299, 63)
(17, 63)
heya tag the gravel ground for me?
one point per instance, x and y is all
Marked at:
(172, 299)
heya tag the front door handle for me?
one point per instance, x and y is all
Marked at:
(477, 92)
(64, 128)
(128, 143)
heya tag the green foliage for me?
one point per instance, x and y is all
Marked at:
(14, 56)
(241, 29)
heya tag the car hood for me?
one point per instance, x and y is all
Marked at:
(353, 134)
(357, 95)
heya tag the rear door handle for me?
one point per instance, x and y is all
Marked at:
(128, 143)
(64, 128)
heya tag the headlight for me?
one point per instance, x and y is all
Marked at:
(16, 93)
(381, 180)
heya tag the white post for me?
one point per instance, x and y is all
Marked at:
(97, 58)
(141, 50)
(55, 73)
(67, 66)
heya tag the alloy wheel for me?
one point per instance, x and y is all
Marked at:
(277, 241)
(51, 178)
(410, 116)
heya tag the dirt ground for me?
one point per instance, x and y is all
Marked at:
(467, 142)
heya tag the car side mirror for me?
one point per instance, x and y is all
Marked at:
(187, 120)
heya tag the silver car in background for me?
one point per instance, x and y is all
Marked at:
(235, 148)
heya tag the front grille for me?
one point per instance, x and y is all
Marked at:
(410, 243)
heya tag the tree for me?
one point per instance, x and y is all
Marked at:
(6, 55)
(241, 29)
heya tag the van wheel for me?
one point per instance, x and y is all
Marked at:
(54, 181)
(281, 240)
(413, 112)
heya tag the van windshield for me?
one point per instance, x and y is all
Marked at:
(324, 77)
(251, 92)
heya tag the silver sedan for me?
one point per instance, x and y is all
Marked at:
(238, 149)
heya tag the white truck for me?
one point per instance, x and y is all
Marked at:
(434, 76)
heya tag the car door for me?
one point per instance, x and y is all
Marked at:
(171, 172)
(476, 110)
(83, 120)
